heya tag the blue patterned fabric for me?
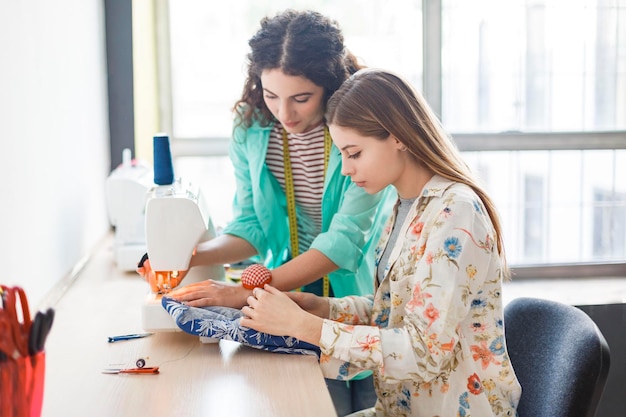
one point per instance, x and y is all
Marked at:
(223, 323)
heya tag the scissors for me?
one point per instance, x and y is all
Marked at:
(40, 327)
(19, 323)
(8, 349)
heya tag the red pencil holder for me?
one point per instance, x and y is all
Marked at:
(22, 386)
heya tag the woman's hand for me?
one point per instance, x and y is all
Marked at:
(211, 293)
(272, 311)
(312, 303)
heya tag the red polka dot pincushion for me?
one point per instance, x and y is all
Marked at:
(256, 275)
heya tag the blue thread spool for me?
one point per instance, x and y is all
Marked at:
(163, 167)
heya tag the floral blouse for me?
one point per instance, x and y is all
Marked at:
(433, 333)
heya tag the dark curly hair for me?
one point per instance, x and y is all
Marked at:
(300, 43)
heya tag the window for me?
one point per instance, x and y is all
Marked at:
(536, 101)
(535, 86)
(533, 216)
(207, 45)
(558, 207)
(609, 223)
(209, 42)
(534, 65)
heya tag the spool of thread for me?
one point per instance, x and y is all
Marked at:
(127, 158)
(163, 167)
(256, 275)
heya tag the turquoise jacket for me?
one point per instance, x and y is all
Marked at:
(351, 219)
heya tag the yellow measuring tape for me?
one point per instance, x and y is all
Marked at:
(291, 198)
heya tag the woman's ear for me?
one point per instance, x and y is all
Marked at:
(401, 146)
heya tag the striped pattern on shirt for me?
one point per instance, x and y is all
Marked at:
(306, 152)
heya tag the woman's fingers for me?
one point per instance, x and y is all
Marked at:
(272, 290)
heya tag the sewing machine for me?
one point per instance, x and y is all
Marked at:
(126, 188)
(177, 220)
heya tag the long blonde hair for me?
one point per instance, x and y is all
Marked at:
(379, 103)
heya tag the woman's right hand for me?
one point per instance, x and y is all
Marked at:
(312, 303)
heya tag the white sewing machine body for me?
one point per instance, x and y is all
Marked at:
(126, 189)
(176, 221)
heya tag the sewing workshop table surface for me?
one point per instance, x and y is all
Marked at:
(195, 379)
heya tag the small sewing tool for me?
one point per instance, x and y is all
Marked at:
(39, 330)
(113, 339)
(8, 348)
(146, 371)
(17, 323)
(256, 275)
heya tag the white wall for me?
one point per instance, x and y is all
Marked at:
(54, 155)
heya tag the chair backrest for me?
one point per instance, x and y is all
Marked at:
(559, 355)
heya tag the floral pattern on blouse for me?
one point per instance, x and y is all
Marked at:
(433, 332)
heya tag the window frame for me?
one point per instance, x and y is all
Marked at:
(432, 91)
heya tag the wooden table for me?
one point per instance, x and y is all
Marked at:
(195, 379)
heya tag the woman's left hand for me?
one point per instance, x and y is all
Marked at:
(211, 293)
(271, 311)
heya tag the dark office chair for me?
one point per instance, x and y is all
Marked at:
(559, 355)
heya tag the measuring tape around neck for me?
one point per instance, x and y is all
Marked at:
(291, 198)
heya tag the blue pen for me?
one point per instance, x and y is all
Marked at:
(127, 337)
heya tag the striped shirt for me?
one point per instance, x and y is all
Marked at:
(306, 153)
